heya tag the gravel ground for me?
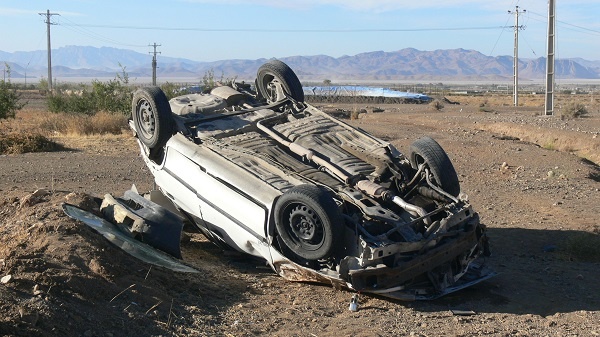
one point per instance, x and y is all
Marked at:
(540, 205)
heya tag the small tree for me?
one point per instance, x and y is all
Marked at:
(43, 85)
(327, 83)
(173, 90)
(9, 97)
(209, 81)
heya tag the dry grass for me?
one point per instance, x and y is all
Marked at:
(573, 110)
(14, 143)
(436, 105)
(561, 102)
(82, 125)
(50, 124)
(36, 130)
(551, 139)
(493, 101)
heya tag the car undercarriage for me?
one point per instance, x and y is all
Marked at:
(259, 170)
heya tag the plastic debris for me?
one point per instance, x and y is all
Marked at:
(5, 279)
(354, 303)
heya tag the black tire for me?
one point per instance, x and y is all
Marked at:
(277, 71)
(308, 222)
(152, 118)
(428, 151)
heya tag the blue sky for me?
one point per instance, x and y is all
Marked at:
(208, 30)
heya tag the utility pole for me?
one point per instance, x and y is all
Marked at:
(516, 54)
(26, 74)
(154, 61)
(550, 58)
(48, 16)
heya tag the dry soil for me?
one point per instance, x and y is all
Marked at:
(532, 179)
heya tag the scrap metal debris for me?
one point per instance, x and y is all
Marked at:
(132, 246)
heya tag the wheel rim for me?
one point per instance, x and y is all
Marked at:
(420, 160)
(270, 86)
(146, 119)
(305, 227)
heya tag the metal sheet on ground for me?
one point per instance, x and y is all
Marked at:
(130, 245)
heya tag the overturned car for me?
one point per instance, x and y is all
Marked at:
(257, 169)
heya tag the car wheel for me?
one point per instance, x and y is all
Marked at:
(152, 117)
(428, 151)
(308, 222)
(276, 72)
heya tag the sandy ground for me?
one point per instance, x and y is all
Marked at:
(524, 174)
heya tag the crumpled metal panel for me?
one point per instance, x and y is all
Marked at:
(292, 271)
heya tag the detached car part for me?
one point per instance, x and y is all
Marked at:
(145, 221)
(127, 243)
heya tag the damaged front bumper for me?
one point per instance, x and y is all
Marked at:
(452, 265)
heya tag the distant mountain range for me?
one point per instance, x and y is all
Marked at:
(405, 64)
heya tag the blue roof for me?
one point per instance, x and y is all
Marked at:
(349, 90)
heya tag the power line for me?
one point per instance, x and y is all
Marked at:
(528, 44)
(80, 30)
(269, 30)
(499, 36)
(570, 24)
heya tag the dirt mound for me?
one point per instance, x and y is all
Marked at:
(60, 278)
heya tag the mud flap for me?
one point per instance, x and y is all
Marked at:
(145, 221)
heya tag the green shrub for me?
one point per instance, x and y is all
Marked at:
(173, 90)
(113, 96)
(9, 97)
(43, 84)
(209, 81)
(82, 103)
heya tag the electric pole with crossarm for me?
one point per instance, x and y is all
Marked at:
(48, 22)
(549, 102)
(516, 54)
(154, 61)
